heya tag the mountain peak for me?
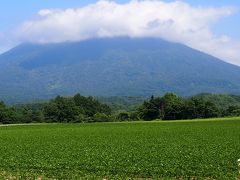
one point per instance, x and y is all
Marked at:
(110, 67)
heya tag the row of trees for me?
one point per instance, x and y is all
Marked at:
(87, 109)
(76, 109)
(60, 109)
(172, 107)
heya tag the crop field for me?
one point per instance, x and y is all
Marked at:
(199, 149)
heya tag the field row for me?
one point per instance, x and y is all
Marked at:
(201, 149)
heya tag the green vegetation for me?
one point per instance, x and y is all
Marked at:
(170, 149)
(206, 149)
(61, 109)
(123, 103)
(172, 107)
(88, 109)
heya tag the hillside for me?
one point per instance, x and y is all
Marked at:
(112, 67)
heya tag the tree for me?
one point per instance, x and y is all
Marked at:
(90, 106)
(61, 110)
(233, 111)
(171, 107)
(101, 117)
(7, 115)
(123, 116)
(197, 107)
(74, 109)
(148, 110)
(2, 110)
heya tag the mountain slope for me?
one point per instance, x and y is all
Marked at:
(112, 67)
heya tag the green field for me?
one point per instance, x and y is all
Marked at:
(156, 150)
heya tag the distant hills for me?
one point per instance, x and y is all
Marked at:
(112, 67)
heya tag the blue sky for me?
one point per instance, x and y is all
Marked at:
(14, 12)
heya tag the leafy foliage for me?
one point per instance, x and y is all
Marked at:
(59, 109)
(196, 149)
(172, 107)
(80, 109)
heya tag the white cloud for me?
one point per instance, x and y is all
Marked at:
(176, 21)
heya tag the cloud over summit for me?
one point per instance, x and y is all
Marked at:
(176, 21)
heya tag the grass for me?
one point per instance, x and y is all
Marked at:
(198, 149)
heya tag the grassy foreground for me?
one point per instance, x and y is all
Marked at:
(180, 149)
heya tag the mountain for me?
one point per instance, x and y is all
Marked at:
(112, 67)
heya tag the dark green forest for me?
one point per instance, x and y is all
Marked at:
(81, 109)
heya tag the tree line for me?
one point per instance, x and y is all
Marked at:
(173, 107)
(80, 109)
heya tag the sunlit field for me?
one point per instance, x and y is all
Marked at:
(176, 149)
